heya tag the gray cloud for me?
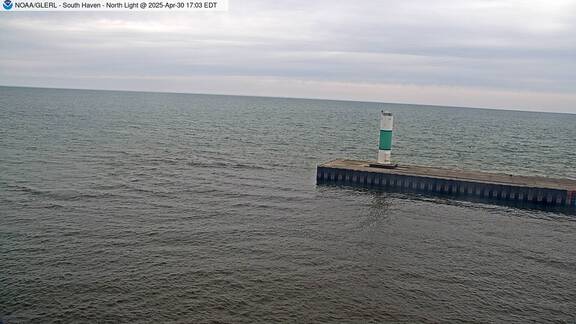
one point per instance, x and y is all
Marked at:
(507, 54)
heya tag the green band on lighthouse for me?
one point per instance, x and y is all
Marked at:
(385, 139)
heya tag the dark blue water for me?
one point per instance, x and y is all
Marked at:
(173, 208)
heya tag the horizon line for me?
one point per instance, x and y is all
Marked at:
(295, 98)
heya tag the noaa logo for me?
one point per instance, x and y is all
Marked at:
(7, 4)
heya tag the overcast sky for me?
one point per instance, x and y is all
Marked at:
(511, 54)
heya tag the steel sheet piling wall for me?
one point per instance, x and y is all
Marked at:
(456, 188)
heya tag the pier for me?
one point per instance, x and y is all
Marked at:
(473, 185)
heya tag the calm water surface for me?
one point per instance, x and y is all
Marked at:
(174, 208)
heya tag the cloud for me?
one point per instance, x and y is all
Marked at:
(504, 54)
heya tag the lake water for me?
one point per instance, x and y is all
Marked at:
(179, 208)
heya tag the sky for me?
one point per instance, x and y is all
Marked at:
(504, 54)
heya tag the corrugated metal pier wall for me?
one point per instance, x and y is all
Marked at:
(454, 187)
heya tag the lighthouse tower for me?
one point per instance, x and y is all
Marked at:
(385, 146)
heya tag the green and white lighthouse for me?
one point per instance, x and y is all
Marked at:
(385, 146)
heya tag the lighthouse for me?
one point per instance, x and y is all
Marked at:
(385, 146)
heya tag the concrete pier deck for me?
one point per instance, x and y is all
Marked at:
(459, 183)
